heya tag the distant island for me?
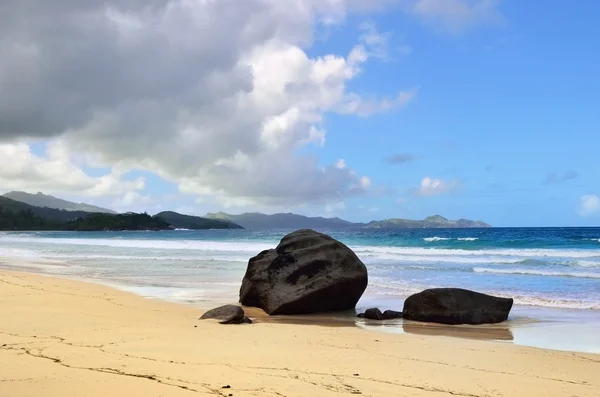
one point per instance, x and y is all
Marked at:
(431, 222)
(51, 213)
(255, 220)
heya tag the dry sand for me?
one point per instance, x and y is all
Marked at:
(67, 338)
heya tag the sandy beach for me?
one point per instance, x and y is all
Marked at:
(68, 338)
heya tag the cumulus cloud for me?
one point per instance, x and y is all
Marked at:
(455, 16)
(401, 158)
(216, 96)
(589, 204)
(554, 177)
(55, 173)
(433, 187)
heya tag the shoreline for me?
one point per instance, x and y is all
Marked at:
(64, 337)
(569, 330)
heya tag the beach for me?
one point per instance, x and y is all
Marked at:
(69, 338)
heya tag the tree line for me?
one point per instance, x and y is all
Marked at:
(26, 219)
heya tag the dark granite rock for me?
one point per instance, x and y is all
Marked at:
(376, 314)
(373, 314)
(246, 320)
(456, 306)
(392, 314)
(228, 314)
(308, 272)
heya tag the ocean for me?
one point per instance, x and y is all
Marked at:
(552, 273)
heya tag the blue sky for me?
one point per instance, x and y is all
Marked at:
(499, 109)
(500, 121)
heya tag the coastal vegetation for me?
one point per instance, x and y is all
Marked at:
(15, 215)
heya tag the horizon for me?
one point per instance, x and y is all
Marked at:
(358, 110)
(335, 217)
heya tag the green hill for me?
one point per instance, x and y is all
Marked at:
(181, 221)
(49, 213)
(15, 215)
(44, 200)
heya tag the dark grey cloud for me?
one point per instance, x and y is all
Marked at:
(213, 95)
(554, 177)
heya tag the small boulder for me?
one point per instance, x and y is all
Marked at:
(308, 272)
(372, 314)
(392, 314)
(456, 306)
(376, 314)
(228, 314)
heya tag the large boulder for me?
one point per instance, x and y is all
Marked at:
(308, 272)
(456, 306)
(228, 314)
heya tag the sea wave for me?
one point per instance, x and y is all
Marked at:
(400, 289)
(537, 272)
(559, 303)
(499, 253)
(206, 245)
(436, 238)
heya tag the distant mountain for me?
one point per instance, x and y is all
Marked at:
(180, 221)
(431, 222)
(44, 200)
(51, 214)
(255, 220)
(15, 215)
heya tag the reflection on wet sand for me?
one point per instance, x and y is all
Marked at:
(494, 332)
(486, 332)
(525, 327)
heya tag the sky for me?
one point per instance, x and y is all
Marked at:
(360, 109)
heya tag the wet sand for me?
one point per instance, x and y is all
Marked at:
(67, 338)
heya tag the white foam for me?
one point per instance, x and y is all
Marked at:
(546, 302)
(521, 253)
(406, 259)
(583, 263)
(206, 245)
(399, 289)
(468, 238)
(430, 239)
(533, 272)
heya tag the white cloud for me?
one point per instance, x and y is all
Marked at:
(374, 43)
(335, 207)
(55, 173)
(589, 204)
(433, 187)
(340, 164)
(455, 16)
(216, 96)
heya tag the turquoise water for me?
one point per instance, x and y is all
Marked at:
(540, 267)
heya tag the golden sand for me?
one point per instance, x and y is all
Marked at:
(67, 338)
